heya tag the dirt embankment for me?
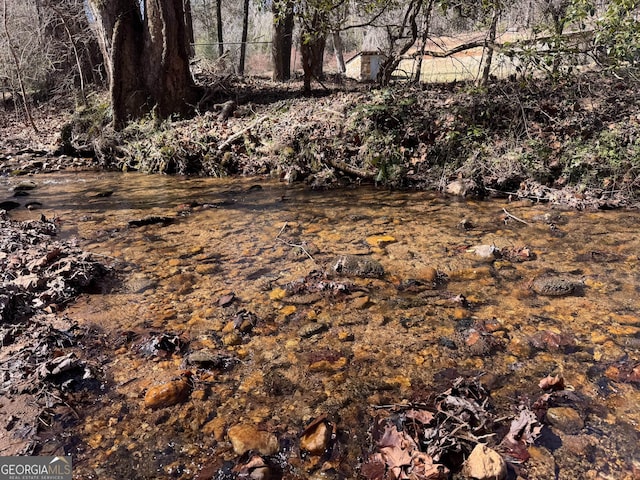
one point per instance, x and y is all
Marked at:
(573, 142)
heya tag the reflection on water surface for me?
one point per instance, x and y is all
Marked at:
(234, 287)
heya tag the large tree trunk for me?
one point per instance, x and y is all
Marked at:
(282, 41)
(149, 58)
(243, 41)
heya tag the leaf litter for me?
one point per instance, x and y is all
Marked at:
(44, 356)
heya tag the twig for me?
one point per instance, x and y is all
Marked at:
(514, 217)
(282, 229)
(239, 134)
(293, 245)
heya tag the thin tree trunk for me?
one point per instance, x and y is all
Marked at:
(188, 21)
(338, 50)
(245, 32)
(75, 53)
(219, 25)
(18, 69)
(312, 49)
(486, 72)
(423, 46)
(393, 58)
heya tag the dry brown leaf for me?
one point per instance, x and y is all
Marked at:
(423, 468)
(425, 417)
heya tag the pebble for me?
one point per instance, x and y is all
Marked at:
(25, 185)
(316, 438)
(360, 303)
(139, 283)
(427, 274)
(541, 463)
(247, 437)
(485, 252)
(167, 394)
(485, 463)
(565, 419)
(313, 328)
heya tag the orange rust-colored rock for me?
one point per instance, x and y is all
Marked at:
(167, 394)
(315, 438)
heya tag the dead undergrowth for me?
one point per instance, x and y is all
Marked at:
(574, 142)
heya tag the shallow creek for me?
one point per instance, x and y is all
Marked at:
(217, 279)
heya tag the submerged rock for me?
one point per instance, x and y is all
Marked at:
(167, 394)
(357, 266)
(247, 437)
(557, 286)
(565, 419)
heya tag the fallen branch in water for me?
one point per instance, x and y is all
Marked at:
(514, 217)
(292, 245)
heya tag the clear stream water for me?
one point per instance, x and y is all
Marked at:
(389, 340)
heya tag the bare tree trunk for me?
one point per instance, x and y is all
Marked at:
(424, 38)
(338, 50)
(245, 32)
(312, 49)
(486, 72)
(188, 21)
(75, 53)
(219, 25)
(282, 41)
(149, 58)
(407, 34)
(16, 62)
(129, 98)
(166, 59)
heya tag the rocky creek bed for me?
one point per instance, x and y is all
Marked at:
(262, 331)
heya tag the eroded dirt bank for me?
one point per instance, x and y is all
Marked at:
(572, 142)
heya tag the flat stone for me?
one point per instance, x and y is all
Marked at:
(358, 266)
(313, 328)
(557, 286)
(247, 437)
(565, 419)
(380, 240)
(485, 463)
